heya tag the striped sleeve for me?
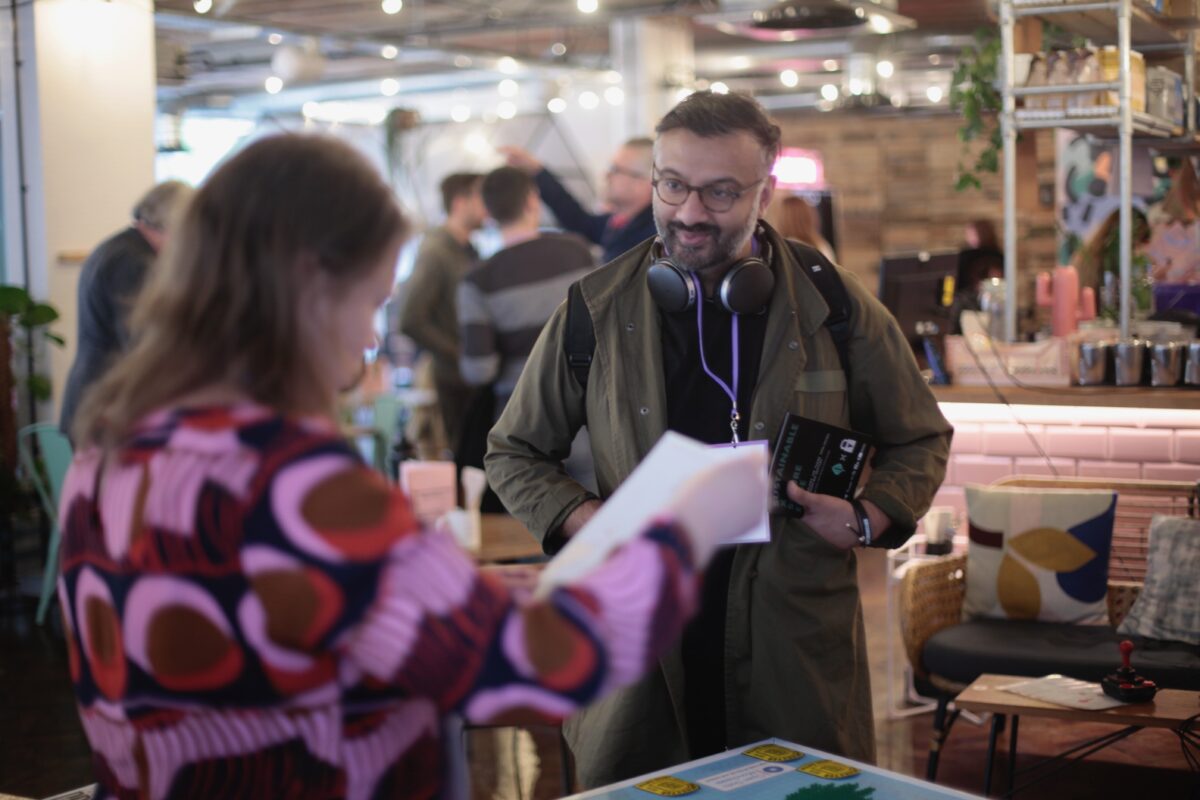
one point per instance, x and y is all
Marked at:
(479, 359)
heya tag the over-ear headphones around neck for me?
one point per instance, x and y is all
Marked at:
(745, 289)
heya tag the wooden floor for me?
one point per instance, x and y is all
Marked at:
(42, 749)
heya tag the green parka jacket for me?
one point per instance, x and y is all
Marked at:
(795, 653)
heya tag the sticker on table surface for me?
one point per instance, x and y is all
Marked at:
(742, 776)
(830, 770)
(666, 786)
(773, 752)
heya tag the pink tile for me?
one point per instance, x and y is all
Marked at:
(1038, 466)
(1001, 439)
(1083, 441)
(1139, 444)
(1109, 469)
(1187, 446)
(1171, 472)
(980, 469)
(968, 438)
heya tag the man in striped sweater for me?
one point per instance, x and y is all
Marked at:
(504, 302)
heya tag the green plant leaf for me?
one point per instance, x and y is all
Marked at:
(13, 299)
(55, 338)
(38, 314)
(1052, 548)
(40, 386)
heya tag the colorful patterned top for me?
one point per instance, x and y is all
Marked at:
(251, 611)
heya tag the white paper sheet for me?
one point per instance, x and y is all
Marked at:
(761, 533)
(643, 496)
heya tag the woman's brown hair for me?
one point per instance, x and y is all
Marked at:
(223, 307)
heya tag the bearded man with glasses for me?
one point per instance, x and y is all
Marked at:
(715, 329)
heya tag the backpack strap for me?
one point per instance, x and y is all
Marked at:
(829, 283)
(580, 341)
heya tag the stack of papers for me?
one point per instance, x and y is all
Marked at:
(1063, 691)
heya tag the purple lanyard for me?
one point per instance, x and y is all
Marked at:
(734, 416)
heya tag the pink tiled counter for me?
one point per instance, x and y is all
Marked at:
(1079, 435)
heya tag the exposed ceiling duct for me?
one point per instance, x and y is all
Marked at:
(789, 20)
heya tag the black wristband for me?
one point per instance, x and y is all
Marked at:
(865, 532)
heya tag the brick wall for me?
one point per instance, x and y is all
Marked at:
(989, 443)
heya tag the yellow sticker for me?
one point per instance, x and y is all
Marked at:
(830, 770)
(666, 786)
(773, 752)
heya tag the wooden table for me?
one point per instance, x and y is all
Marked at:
(505, 540)
(1170, 708)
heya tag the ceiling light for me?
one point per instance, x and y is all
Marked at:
(885, 69)
(508, 65)
(682, 93)
(719, 87)
(829, 92)
(275, 38)
(477, 143)
(587, 6)
(462, 62)
(830, 64)
(789, 78)
(740, 62)
(273, 84)
(389, 87)
(615, 95)
(934, 93)
(506, 110)
(202, 6)
(460, 113)
(612, 76)
(880, 23)
(389, 51)
(856, 86)
(556, 105)
(788, 36)
(310, 109)
(589, 100)
(935, 59)
(508, 88)
(392, 6)
(558, 49)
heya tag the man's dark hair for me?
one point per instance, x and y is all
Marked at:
(505, 192)
(708, 114)
(458, 185)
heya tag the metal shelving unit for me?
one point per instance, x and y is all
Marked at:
(1119, 22)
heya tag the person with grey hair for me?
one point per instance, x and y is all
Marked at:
(109, 282)
(717, 329)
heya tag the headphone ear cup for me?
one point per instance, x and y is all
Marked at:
(747, 287)
(670, 287)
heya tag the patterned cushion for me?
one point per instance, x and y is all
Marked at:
(1168, 606)
(1039, 554)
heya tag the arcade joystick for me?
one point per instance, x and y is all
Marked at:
(1125, 684)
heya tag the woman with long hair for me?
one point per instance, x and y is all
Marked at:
(250, 611)
(797, 219)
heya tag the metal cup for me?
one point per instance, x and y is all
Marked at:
(1089, 367)
(1166, 363)
(1191, 370)
(1128, 357)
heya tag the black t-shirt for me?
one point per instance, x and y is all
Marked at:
(699, 408)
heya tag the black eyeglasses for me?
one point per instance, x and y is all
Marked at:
(717, 197)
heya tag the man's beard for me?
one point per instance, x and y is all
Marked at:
(724, 246)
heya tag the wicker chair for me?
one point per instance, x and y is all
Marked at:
(931, 592)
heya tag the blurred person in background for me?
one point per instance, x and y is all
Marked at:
(111, 278)
(251, 611)
(798, 220)
(628, 219)
(429, 316)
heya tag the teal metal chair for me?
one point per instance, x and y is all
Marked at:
(56, 456)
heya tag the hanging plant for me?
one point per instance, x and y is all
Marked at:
(974, 95)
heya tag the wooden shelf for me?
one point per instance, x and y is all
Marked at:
(1097, 21)
(1182, 397)
(1102, 126)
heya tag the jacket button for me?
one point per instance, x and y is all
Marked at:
(643, 411)
(758, 426)
(793, 345)
(629, 326)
